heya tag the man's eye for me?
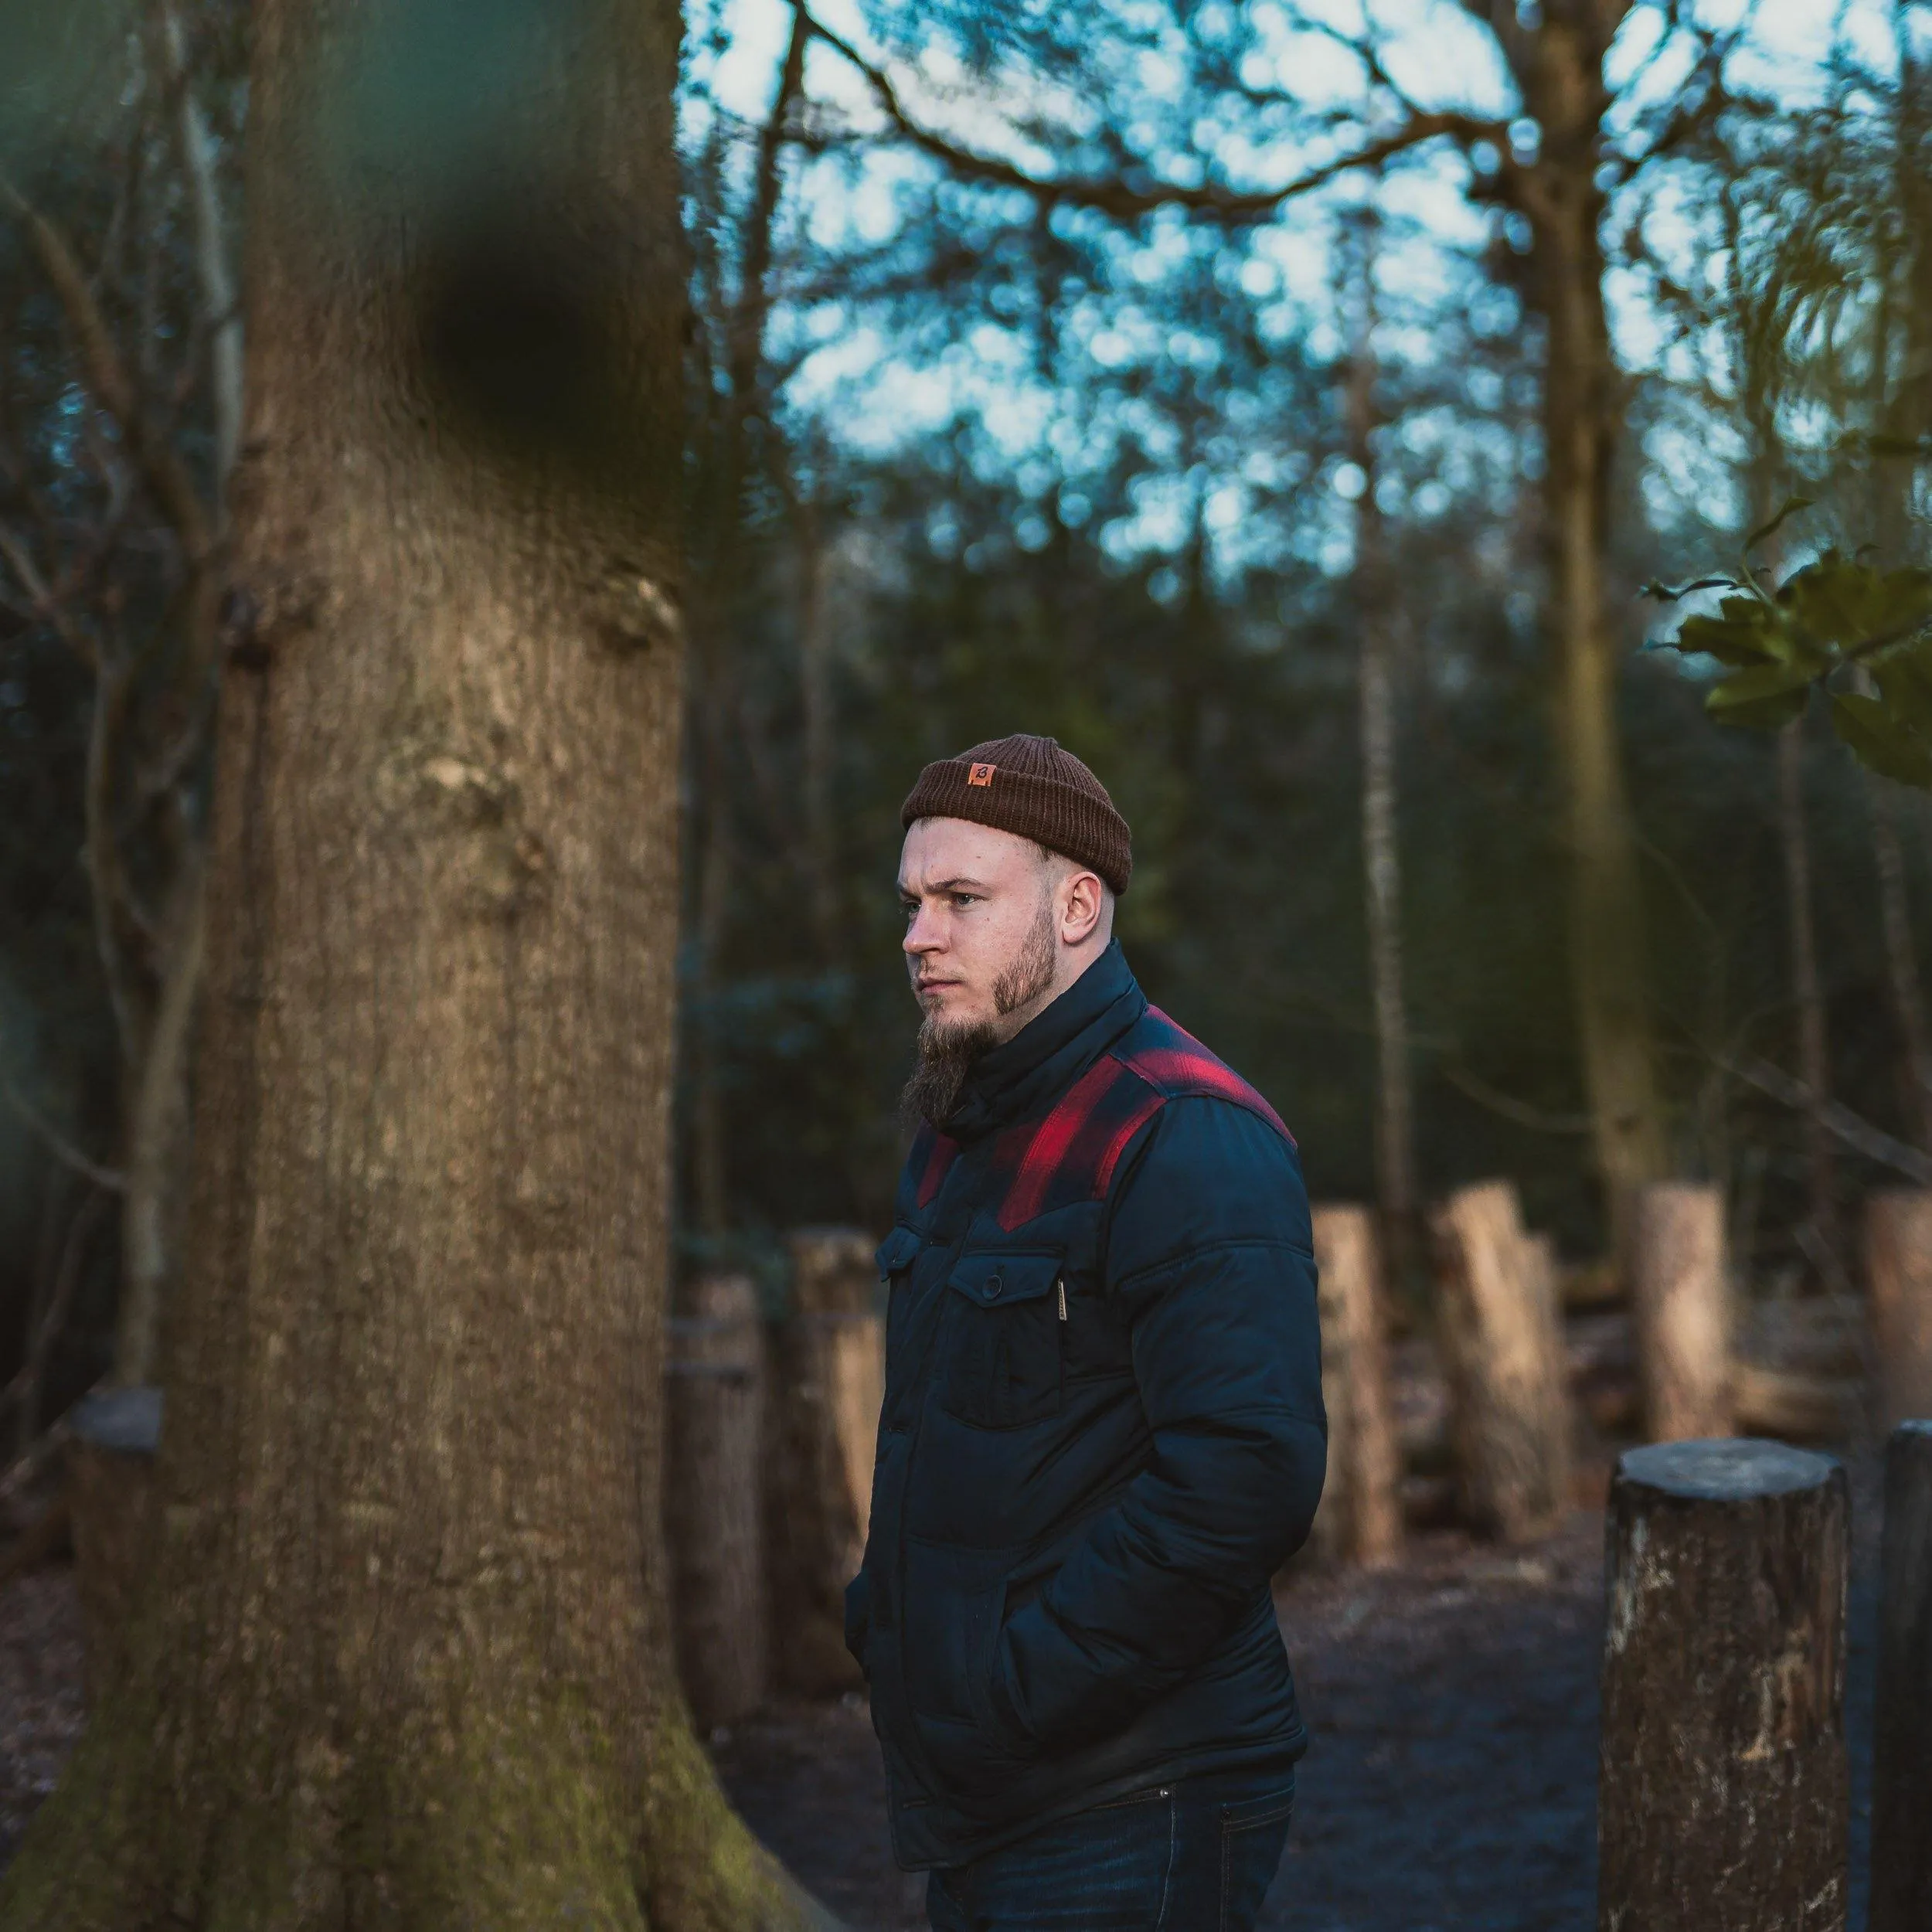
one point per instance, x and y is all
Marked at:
(965, 899)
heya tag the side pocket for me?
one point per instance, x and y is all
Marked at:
(1254, 1830)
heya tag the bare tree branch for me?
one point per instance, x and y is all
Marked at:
(1112, 196)
(109, 382)
(222, 309)
(57, 1143)
(1853, 1129)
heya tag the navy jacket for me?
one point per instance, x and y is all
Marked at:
(1102, 1430)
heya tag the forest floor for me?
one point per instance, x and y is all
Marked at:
(1451, 1782)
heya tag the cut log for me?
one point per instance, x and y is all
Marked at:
(1723, 1801)
(1898, 1246)
(1782, 1402)
(1502, 1356)
(1680, 1306)
(828, 1388)
(1902, 1769)
(713, 1522)
(1360, 1519)
(113, 1437)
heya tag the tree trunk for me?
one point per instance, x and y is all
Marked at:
(1680, 1308)
(712, 1494)
(1902, 1767)
(1558, 65)
(402, 1659)
(1723, 1798)
(718, 610)
(827, 1387)
(1509, 1407)
(1808, 994)
(1381, 848)
(1898, 1248)
(1360, 1519)
(1901, 957)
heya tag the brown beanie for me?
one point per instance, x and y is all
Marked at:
(1028, 786)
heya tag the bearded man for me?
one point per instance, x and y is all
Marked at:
(1103, 1430)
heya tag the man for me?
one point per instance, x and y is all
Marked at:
(1103, 1429)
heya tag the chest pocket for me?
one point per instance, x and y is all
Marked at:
(1003, 1339)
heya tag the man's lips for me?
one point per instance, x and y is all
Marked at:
(922, 987)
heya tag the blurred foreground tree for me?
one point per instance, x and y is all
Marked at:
(401, 1658)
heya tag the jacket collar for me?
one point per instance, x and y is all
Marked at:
(1029, 1072)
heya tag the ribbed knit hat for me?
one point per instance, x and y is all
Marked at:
(1030, 787)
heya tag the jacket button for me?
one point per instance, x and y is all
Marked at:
(995, 1285)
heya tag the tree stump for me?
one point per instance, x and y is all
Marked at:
(828, 1388)
(1723, 1800)
(712, 1518)
(113, 1436)
(1509, 1411)
(1898, 1243)
(1902, 1771)
(1360, 1519)
(1680, 1310)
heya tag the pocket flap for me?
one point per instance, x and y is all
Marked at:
(993, 1280)
(897, 1250)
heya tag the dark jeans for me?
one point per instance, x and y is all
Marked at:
(1193, 1856)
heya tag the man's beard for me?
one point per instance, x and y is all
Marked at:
(947, 1049)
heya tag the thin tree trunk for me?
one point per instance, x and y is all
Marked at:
(718, 607)
(815, 696)
(1381, 849)
(1558, 64)
(1813, 1057)
(1901, 958)
(402, 1660)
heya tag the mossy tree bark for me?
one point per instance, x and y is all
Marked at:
(402, 1657)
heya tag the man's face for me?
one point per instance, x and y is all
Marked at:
(981, 925)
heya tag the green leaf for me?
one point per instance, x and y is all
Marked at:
(1764, 697)
(1880, 741)
(1792, 506)
(1848, 606)
(1904, 676)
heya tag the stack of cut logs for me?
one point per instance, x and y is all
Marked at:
(768, 1475)
(1479, 1420)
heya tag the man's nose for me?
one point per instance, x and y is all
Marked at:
(922, 935)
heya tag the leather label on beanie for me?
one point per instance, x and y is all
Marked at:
(982, 774)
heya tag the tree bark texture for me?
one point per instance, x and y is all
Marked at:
(1902, 1769)
(1680, 1309)
(712, 1494)
(1509, 1408)
(402, 1659)
(1898, 1250)
(1723, 1800)
(827, 1387)
(1557, 66)
(1360, 1519)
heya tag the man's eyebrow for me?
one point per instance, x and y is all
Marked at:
(944, 886)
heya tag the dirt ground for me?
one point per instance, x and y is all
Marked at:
(1451, 1782)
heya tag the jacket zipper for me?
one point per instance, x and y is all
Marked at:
(1059, 1288)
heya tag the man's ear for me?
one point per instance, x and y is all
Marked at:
(1086, 901)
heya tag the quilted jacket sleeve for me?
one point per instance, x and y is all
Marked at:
(1209, 1252)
